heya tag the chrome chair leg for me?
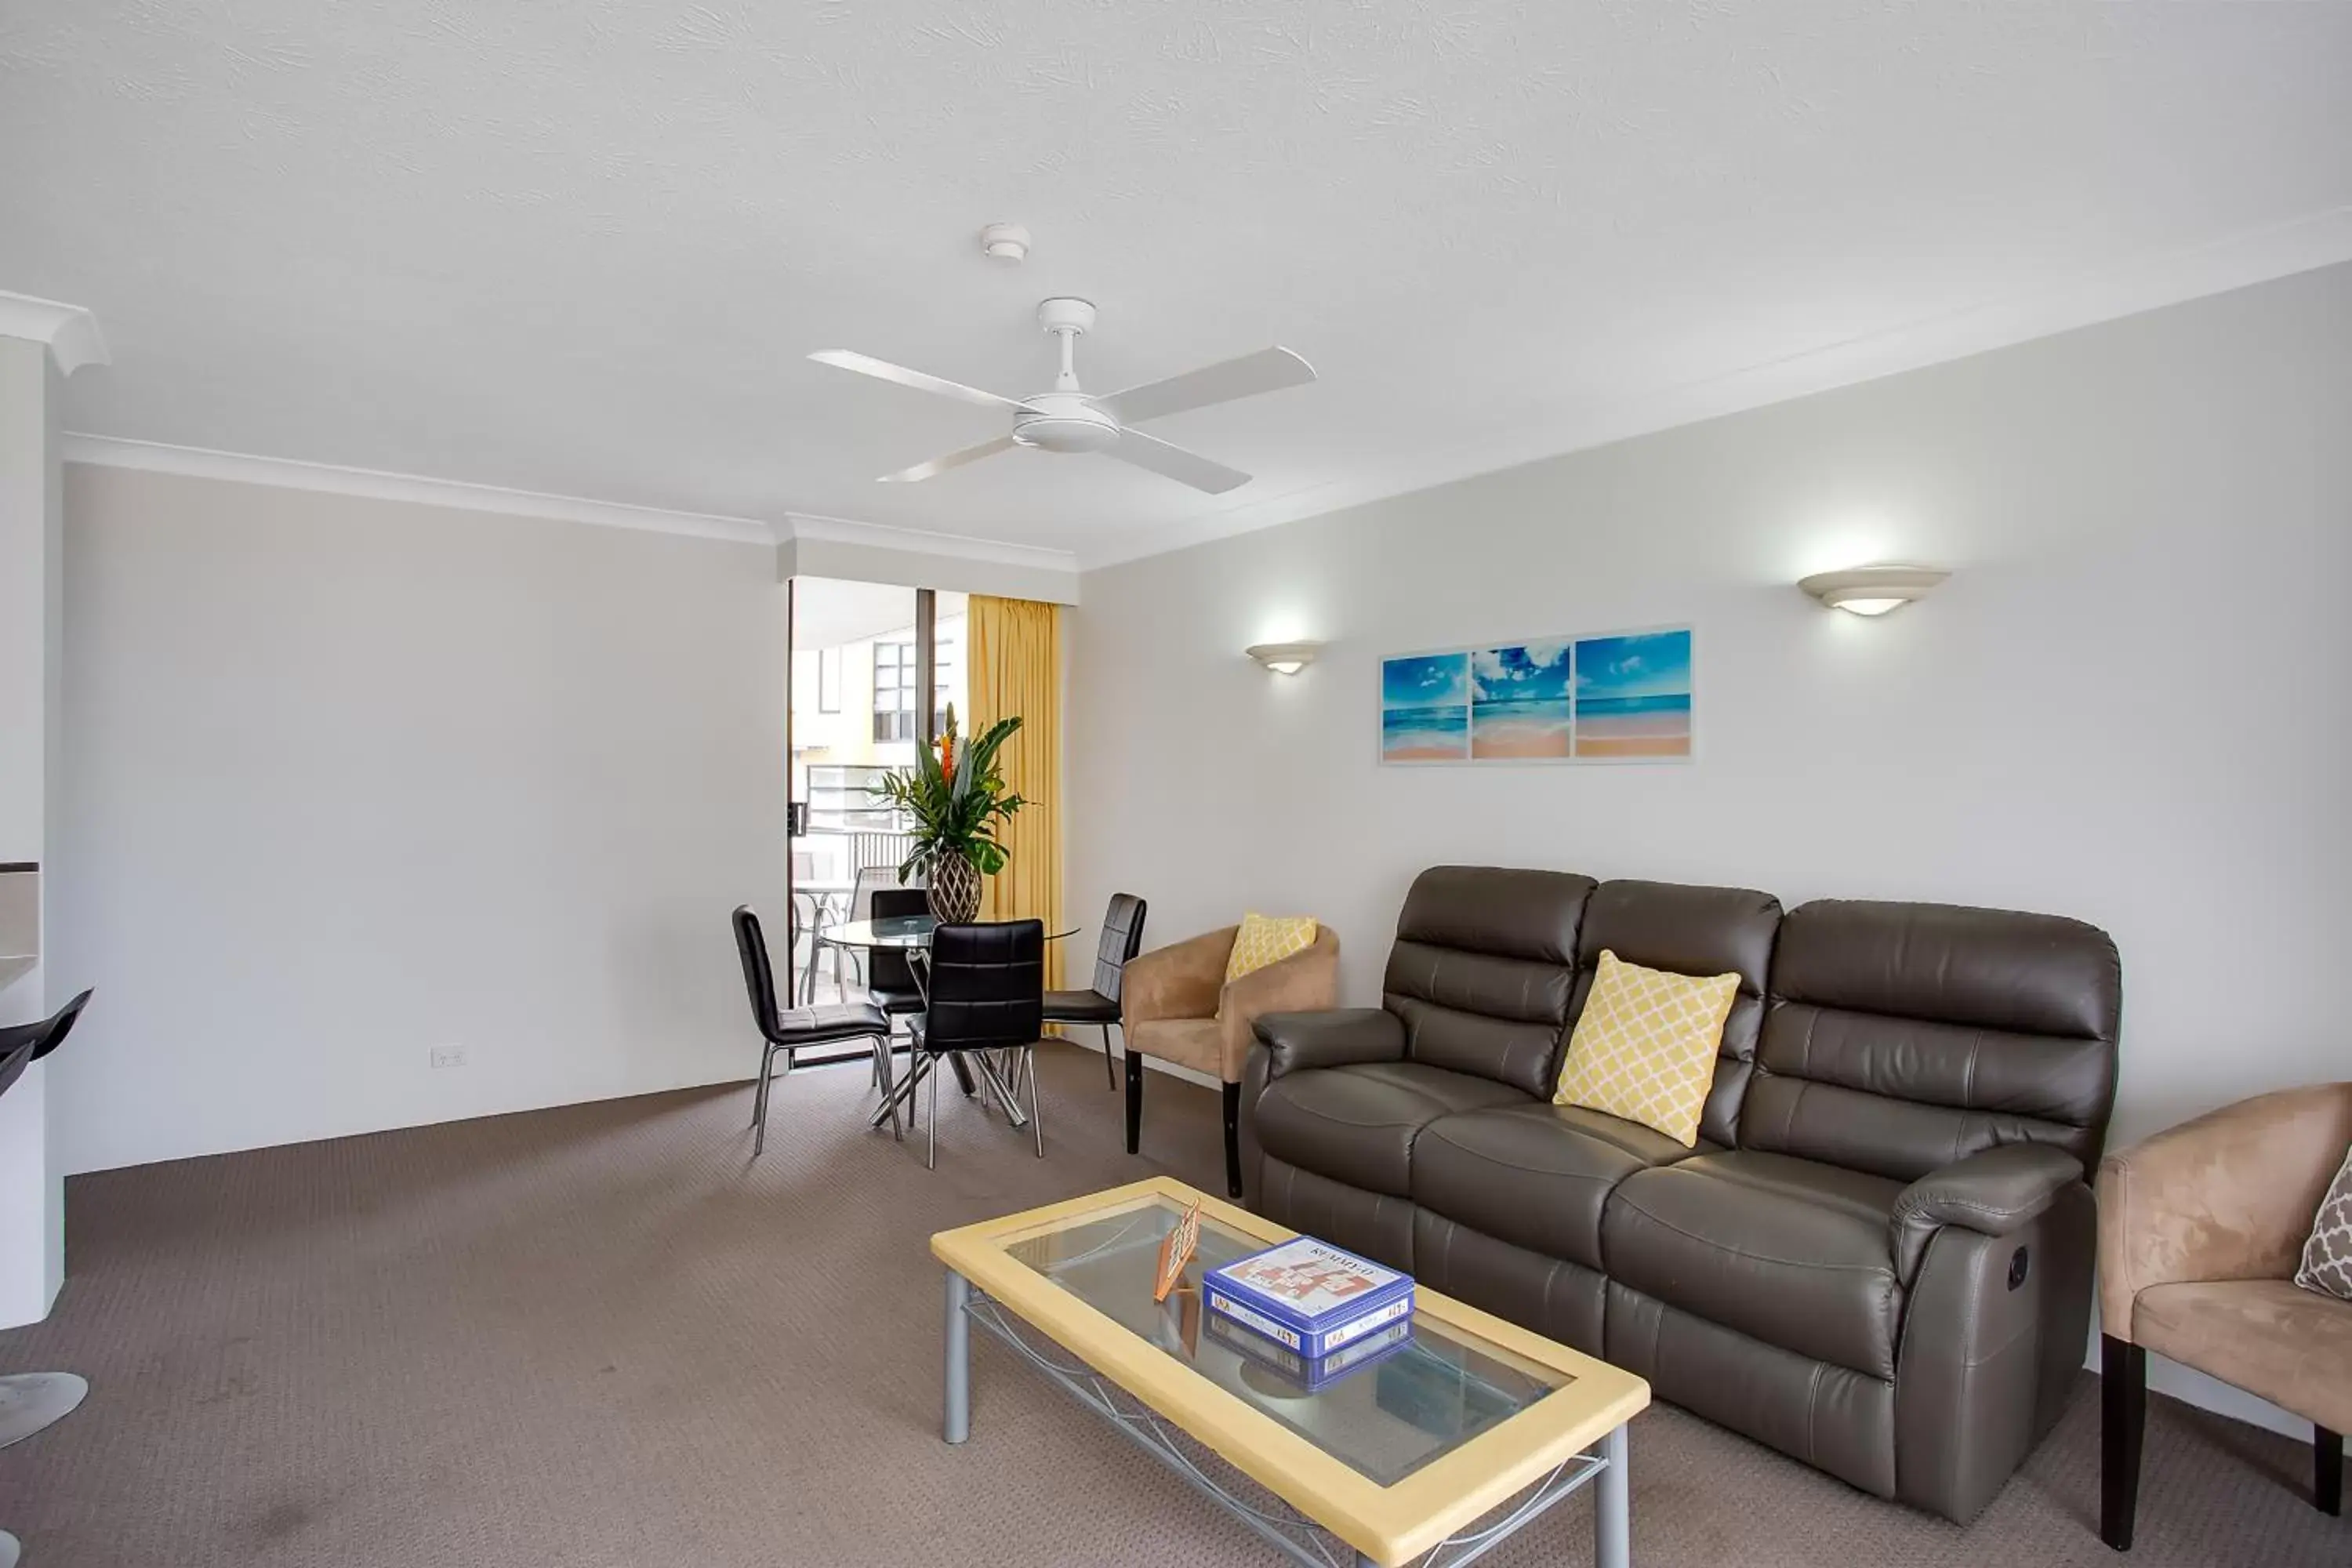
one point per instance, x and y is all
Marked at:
(1037, 1122)
(931, 1155)
(903, 1093)
(760, 1102)
(883, 1077)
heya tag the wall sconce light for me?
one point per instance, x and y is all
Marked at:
(1285, 658)
(1873, 590)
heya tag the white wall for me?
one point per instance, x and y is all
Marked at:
(351, 778)
(2132, 703)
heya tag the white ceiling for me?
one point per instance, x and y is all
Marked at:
(584, 250)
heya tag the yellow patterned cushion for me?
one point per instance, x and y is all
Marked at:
(1644, 1050)
(1268, 939)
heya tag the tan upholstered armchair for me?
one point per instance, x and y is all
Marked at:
(2200, 1229)
(1176, 1005)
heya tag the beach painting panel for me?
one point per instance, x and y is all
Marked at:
(1633, 695)
(1521, 708)
(1425, 707)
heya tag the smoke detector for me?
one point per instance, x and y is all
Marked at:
(1004, 242)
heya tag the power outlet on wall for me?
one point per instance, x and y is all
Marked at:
(448, 1055)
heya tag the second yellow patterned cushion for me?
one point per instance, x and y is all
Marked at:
(1268, 939)
(1644, 1048)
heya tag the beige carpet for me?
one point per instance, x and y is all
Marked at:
(603, 1337)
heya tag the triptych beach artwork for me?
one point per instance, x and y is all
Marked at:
(1600, 698)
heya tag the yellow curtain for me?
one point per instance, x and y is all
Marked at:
(1016, 667)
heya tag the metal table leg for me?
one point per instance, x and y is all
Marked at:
(1613, 1501)
(902, 1093)
(957, 1426)
(918, 963)
(994, 1089)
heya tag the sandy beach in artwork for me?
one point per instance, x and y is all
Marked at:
(1633, 746)
(1422, 754)
(1633, 727)
(1520, 731)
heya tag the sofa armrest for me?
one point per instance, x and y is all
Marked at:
(1993, 1192)
(2229, 1195)
(1296, 1041)
(1183, 980)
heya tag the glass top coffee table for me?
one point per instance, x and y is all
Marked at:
(1435, 1444)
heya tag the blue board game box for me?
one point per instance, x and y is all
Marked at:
(1307, 1296)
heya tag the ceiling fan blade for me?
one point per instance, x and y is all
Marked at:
(922, 471)
(883, 370)
(1268, 370)
(1188, 468)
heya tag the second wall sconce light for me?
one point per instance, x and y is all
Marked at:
(1873, 590)
(1285, 658)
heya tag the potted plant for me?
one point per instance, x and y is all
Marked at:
(954, 798)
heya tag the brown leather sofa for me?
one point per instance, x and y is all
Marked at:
(1878, 1257)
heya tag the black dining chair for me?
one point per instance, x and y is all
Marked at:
(891, 982)
(1122, 938)
(987, 987)
(790, 1031)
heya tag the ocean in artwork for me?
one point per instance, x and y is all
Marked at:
(1426, 734)
(1520, 703)
(1425, 707)
(1633, 695)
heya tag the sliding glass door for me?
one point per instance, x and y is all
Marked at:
(874, 667)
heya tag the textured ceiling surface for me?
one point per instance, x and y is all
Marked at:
(584, 248)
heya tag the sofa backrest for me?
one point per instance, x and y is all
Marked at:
(1899, 1037)
(1688, 930)
(1483, 968)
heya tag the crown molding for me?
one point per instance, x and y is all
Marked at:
(287, 473)
(799, 525)
(70, 331)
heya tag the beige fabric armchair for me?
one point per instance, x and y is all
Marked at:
(1176, 1005)
(2200, 1229)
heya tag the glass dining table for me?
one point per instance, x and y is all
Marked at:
(912, 934)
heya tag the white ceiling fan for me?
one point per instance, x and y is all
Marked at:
(1068, 420)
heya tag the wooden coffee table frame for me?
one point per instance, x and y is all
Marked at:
(1453, 1508)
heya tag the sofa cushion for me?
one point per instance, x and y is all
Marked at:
(1644, 1048)
(2270, 1337)
(1901, 1037)
(1357, 1124)
(1787, 1251)
(1483, 968)
(1689, 930)
(1534, 1175)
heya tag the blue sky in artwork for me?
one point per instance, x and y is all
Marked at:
(1426, 680)
(1522, 672)
(1654, 664)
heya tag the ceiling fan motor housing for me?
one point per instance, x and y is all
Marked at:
(1064, 422)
